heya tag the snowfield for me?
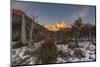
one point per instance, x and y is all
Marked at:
(23, 55)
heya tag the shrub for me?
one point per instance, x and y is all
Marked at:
(78, 53)
(18, 44)
(64, 55)
(72, 46)
(47, 53)
(62, 42)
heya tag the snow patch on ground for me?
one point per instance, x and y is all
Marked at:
(62, 47)
(60, 60)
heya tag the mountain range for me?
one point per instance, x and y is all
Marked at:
(58, 26)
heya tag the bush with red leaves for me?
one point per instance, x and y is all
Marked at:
(47, 53)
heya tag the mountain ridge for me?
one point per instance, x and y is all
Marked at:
(58, 26)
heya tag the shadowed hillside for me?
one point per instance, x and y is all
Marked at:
(17, 25)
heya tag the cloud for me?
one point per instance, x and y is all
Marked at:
(82, 12)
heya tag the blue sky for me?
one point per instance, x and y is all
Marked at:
(53, 13)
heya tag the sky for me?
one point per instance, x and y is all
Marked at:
(53, 13)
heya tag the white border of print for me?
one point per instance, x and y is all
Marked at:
(5, 33)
